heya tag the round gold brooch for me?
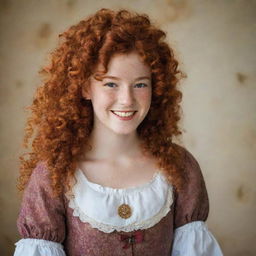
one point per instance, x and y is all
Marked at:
(124, 211)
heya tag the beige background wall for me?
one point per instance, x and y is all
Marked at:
(215, 42)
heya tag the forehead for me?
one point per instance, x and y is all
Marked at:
(126, 64)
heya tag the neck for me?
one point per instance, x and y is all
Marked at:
(109, 146)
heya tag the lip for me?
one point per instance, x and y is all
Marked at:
(124, 110)
(125, 118)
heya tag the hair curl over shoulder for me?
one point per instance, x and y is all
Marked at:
(62, 120)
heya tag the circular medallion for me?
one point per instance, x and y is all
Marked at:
(124, 211)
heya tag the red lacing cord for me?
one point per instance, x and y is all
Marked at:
(137, 237)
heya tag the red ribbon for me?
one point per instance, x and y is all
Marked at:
(137, 237)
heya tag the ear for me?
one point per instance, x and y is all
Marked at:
(86, 92)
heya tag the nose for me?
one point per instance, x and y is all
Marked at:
(126, 96)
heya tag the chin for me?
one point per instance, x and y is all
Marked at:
(123, 131)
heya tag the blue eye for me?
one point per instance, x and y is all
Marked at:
(109, 84)
(140, 85)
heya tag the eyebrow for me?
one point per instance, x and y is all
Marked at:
(117, 78)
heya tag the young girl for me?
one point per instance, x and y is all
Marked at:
(104, 177)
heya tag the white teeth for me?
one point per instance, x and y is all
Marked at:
(124, 113)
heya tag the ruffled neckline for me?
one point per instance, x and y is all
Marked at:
(149, 203)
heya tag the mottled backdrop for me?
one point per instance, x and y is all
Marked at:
(215, 42)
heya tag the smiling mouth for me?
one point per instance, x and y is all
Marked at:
(124, 114)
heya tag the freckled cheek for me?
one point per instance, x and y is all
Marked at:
(103, 97)
(144, 97)
(105, 101)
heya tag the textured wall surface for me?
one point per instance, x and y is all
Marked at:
(215, 42)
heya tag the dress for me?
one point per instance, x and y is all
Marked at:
(93, 220)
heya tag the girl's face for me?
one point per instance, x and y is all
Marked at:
(125, 90)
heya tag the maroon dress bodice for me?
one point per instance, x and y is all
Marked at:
(43, 216)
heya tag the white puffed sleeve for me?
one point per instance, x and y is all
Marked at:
(38, 247)
(194, 239)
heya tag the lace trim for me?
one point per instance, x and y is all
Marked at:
(106, 228)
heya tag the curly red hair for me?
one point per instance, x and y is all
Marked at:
(62, 119)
